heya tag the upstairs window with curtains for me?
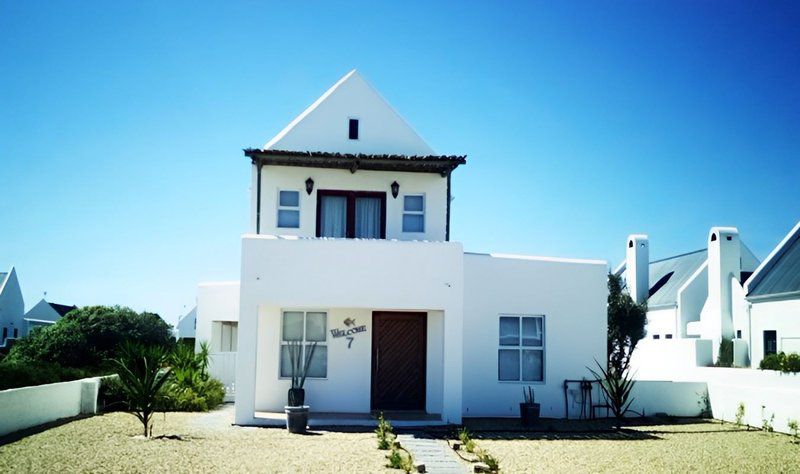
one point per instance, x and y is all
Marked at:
(520, 356)
(351, 214)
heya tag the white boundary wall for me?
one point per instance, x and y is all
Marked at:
(27, 407)
(777, 393)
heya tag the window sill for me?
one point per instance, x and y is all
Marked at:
(522, 382)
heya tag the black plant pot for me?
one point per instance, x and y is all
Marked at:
(297, 397)
(529, 413)
(296, 419)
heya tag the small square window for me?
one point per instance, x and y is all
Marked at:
(656, 336)
(289, 209)
(668, 336)
(414, 213)
(353, 129)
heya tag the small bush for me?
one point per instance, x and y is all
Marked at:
(15, 374)
(781, 361)
(384, 432)
(395, 459)
(725, 357)
(489, 460)
(766, 423)
(795, 429)
(201, 396)
(739, 414)
(466, 440)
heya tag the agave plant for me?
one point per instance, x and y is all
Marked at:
(299, 371)
(142, 377)
(616, 386)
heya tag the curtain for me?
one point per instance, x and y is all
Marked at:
(368, 218)
(333, 221)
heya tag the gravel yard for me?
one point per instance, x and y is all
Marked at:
(695, 446)
(109, 443)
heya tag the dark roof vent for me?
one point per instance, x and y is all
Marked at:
(713, 237)
(660, 283)
(630, 244)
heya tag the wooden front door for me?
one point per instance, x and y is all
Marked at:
(398, 360)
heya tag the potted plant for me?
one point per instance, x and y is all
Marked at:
(528, 410)
(296, 410)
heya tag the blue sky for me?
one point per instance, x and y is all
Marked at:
(122, 125)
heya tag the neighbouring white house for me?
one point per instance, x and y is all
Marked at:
(45, 313)
(187, 325)
(773, 296)
(217, 324)
(12, 307)
(694, 300)
(349, 248)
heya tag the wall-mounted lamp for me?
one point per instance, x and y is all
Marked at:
(309, 185)
(395, 189)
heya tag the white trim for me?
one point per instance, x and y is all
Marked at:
(547, 259)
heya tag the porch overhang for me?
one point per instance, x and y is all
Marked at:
(441, 164)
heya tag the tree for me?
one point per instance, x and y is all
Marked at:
(626, 321)
(141, 379)
(90, 336)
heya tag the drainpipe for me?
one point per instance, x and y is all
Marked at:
(258, 198)
(447, 225)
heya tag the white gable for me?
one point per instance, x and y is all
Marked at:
(324, 125)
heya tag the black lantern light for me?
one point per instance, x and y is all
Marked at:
(395, 189)
(309, 185)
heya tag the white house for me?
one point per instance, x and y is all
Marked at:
(349, 248)
(187, 324)
(12, 307)
(217, 323)
(773, 296)
(45, 313)
(694, 300)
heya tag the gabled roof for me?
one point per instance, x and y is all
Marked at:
(61, 309)
(322, 127)
(779, 273)
(3, 276)
(668, 275)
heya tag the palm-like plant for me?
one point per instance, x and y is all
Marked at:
(299, 367)
(141, 376)
(616, 386)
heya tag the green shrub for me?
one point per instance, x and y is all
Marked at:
(15, 374)
(202, 396)
(384, 432)
(489, 460)
(90, 337)
(766, 423)
(395, 459)
(725, 357)
(782, 362)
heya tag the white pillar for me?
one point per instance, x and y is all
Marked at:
(724, 264)
(637, 267)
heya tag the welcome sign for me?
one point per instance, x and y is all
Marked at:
(351, 330)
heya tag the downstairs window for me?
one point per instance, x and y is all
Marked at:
(306, 327)
(520, 355)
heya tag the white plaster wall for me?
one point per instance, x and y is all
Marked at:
(691, 298)
(782, 316)
(662, 322)
(664, 396)
(26, 407)
(778, 393)
(653, 358)
(324, 125)
(571, 295)
(217, 301)
(12, 306)
(186, 328)
(290, 178)
(345, 277)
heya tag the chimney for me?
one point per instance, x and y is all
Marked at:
(724, 264)
(637, 267)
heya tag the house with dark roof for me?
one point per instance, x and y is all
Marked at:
(12, 307)
(45, 313)
(697, 295)
(773, 294)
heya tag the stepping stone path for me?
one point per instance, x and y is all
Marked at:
(435, 454)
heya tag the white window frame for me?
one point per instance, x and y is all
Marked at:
(284, 342)
(416, 213)
(520, 348)
(288, 208)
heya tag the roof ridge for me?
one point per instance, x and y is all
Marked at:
(678, 256)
